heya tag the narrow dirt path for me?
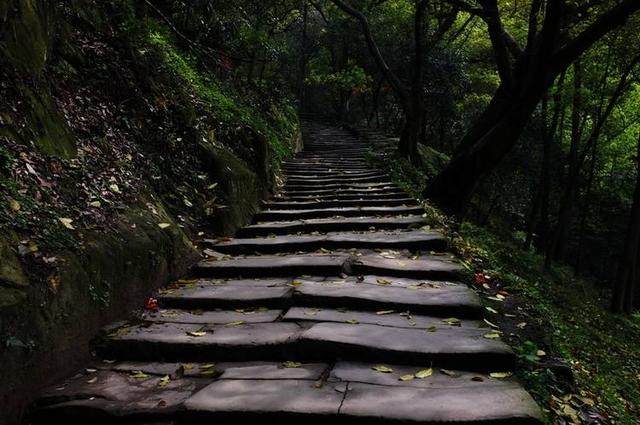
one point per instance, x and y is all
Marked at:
(334, 305)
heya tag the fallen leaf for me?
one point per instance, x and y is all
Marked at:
(164, 381)
(452, 321)
(383, 312)
(449, 373)
(14, 205)
(236, 323)
(424, 373)
(406, 378)
(66, 222)
(500, 375)
(138, 374)
(164, 225)
(382, 368)
(291, 365)
(492, 335)
(196, 333)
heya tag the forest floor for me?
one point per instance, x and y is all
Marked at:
(581, 362)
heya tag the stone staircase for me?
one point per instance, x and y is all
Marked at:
(334, 305)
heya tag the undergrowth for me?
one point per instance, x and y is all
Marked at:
(577, 359)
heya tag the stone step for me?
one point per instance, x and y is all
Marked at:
(288, 205)
(330, 225)
(339, 186)
(306, 174)
(444, 299)
(284, 215)
(411, 240)
(352, 393)
(342, 196)
(353, 193)
(457, 348)
(440, 299)
(218, 317)
(270, 266)
(315, 181)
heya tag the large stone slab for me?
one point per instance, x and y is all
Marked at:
(276, 215)
(411, 240)
(213, 317)
(170, 341)
(455, 348)
(432, 267)
(227, 296)
(447, 300)
(107, 397)
(505, 404)
(345, 224)
(267, 401)
(396, 319)
(269, 266)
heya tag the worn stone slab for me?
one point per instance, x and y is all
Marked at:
(450, 301)
(228, 370)
(345, 224)
(212, 317)
(109, 397)
(268, 266)
(227, 296)
(271, 400)
(397, 319)
(507, 404)
(170, 341)
(339, 196)
(277, 215)
(412, 240)
(432, 267)
(363, 373)
(338, 186)
(456, 348)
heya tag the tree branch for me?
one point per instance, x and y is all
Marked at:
(374, 50)
(609, 21)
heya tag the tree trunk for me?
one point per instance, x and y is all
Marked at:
(624, 285)
(410, 136)
(498, 129)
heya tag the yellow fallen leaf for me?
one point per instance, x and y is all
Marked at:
(14, 205)
(492, 335)
(138, 374)
(424, 373)
(164, 381)
(406, 378)
(383, 282)
(164, 225)
(500, 375)
(66, 222)
(452, 321)
(204, 366)
(291, 365)
(353, 321)
(196, 333)
(382, 368)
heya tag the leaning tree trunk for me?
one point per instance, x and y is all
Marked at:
(452, 188)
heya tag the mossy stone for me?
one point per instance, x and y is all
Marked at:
(11, 273)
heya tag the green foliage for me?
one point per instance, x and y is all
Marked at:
(277, 123)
